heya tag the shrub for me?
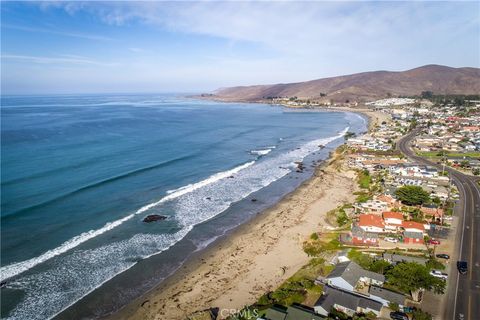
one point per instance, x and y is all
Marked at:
(435, 264)
(364, 179)
(421, 315)
(394, 306)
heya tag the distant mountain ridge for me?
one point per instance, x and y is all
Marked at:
(365, 86)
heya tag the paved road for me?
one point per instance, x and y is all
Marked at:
(463, 291)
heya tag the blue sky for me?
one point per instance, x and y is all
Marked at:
(90, 47)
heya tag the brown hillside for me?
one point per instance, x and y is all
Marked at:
(366, 86)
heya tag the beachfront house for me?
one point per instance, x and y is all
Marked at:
(386, 296)
(346, 302)
(375, 205)
(371, 223)
(348, 275)
(293, 312)
(362, 237)
(393, 220)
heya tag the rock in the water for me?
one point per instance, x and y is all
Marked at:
(154, 217)
(254, 200)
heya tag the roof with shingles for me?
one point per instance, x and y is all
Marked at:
(300, 312)
(293, 312)
(360, 233)
(386, 294)
(333, 296)
(352, 272)
(401, 258)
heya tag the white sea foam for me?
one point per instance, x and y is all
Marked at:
(83, 271)
(261, 152)
(172, 194)
(19, 267)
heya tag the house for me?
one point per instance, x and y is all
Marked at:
(413, 226)
(347, 275)
(371, 206)
(432, 211)
(398, 258)
(371, 223)
(346, 302)
(293, 312)
(385, 296)
(413, 237)
(389, 200)
(362, 237)
(393, 220)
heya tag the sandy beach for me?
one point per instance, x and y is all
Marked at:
(258, 256)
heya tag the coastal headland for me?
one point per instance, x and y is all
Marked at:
(259, 255)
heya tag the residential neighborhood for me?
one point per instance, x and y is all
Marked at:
(401, 223)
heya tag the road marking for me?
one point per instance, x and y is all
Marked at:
(461, 247)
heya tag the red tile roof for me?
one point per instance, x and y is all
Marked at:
(393, 215)
(371, 220)
(436, 212)
(413, 225)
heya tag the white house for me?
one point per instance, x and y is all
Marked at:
(393, 220)
(371, 223)
(347, 275)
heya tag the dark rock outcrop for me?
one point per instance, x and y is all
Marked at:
(153, 218)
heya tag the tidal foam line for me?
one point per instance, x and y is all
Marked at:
(20, 267)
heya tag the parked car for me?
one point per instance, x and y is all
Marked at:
(462, 267)
(391, 239)
(434, 242)
(439, 274)
(443, 256)
(397, 315)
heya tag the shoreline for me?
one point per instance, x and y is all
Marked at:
(257, 256)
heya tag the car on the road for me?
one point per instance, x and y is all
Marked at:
(434, 242)
(439, 274)
(462, 267)
(397, 315)
(443, 256)
(391, 239)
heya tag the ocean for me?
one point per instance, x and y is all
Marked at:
(80, 172)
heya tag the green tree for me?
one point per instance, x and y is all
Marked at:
(464, 163)
(412, 277)
(380, 266)
(421, 315)
(412, 195)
